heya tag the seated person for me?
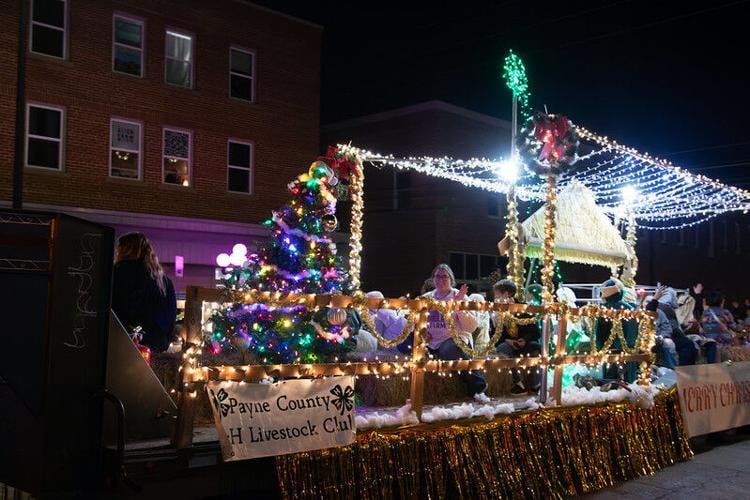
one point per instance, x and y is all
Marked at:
(576, 338)
(517, 340)
(613, 293)
(482, 333)
(388, 323)
(717, 323)
(439, 339)
(672, 344)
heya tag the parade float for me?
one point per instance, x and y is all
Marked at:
(273, 352)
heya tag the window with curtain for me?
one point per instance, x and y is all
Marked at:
(125, 149)
(179, 58)
(176, 154)
(127, 50)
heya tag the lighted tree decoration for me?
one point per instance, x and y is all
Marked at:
(300, 258)
(548, 145)
(514, 74)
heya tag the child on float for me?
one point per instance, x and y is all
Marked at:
(516, 340)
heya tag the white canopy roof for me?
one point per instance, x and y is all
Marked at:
(584, 232)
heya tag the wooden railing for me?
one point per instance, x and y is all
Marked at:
(416, 365)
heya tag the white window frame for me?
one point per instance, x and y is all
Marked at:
(64, 30)
(185, 34)
(115, 44)
(164, 131)
(140, 146)
(61, 140)
(250, 169)
(233, 73)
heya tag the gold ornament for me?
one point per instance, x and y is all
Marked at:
(329, 223)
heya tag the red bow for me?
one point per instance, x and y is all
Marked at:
(341, 165)
(552, 133)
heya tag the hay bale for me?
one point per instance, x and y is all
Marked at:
(735, 353)
(438, 389)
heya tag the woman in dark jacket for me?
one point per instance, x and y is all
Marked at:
(142, 295)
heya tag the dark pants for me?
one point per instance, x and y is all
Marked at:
(686, 351)
(475, 382)
(710, 349)
(531, 349)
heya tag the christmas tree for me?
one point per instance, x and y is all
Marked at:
(300, 258)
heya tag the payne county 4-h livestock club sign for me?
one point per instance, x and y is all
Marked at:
(261, 420)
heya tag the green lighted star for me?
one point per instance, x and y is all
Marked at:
(514, 74)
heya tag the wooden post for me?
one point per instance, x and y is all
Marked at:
(562, 332)
(191, 339)
(416, 393)
(544, 354)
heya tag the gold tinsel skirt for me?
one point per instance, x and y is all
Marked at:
(548, 453)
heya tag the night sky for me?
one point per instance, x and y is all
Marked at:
(663, 77)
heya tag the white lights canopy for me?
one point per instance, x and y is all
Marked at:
(657, 193)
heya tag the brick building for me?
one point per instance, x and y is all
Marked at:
(412, 221)
(185, 120)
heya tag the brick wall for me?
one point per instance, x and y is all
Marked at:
(283, 123)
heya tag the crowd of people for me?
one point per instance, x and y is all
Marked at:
(690, 328)
(682, 338)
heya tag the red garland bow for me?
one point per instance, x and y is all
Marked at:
(340, 164)
(552, 133)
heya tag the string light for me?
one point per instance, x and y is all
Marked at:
(548, 245)
(669, 197)
(358, 210)
(420, 308)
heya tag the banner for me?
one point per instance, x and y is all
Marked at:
(261, 420)
(714, 397)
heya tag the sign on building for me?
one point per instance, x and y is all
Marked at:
(714, 397)
(261, 420)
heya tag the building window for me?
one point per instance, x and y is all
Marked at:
(470, 266)
(457, 265)
(176, 164)
(487, 265)
(242, 74)
(240, 167)
(48, 20)
(127, 46)
(44, 136)
(179, 56)
(125, 149)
